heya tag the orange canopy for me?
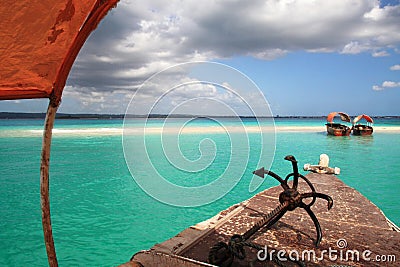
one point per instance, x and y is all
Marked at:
(39, 41)
(343, 116)
(363, 116)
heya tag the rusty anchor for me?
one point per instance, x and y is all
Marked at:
(223, 254)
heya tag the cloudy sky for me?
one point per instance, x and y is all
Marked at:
(308, 57)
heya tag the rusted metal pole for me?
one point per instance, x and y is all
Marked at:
(44, 184)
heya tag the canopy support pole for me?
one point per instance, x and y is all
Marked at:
(44, 183)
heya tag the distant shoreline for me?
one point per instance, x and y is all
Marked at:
(20, 115)
(116, 131)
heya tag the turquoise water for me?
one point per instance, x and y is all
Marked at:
(101, 217)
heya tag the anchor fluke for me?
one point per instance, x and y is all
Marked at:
(260, 172)
(291, 158)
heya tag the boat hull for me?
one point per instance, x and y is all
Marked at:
(338, 129)
(362, 130)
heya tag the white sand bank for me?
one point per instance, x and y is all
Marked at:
(177, 130)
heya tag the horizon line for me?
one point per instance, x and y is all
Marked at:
(39, 115)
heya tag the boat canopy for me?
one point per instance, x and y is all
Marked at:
(39, 42)
(363, 116)
(343, 116)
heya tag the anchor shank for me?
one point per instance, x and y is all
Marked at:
(266, 219)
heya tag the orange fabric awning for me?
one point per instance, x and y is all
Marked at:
(363, 116)
(343, 116)
(39, 41)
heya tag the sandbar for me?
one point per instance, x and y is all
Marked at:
(182, 130)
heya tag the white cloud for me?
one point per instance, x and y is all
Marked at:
(395, 67)
(390, 84)
(270, 54)
(380, 54)
(355, 48)
(377, 88)
(180, 94)
(386, 84)
(136, 41)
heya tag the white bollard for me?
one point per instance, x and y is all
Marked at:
(322, 167)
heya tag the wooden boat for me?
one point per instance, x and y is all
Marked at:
(337, 129)
(352, 216)
(57, 34)
(363, 129)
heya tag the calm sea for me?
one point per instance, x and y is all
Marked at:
(100, 215)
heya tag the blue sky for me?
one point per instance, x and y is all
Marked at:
(307, 57)
(315, 83)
